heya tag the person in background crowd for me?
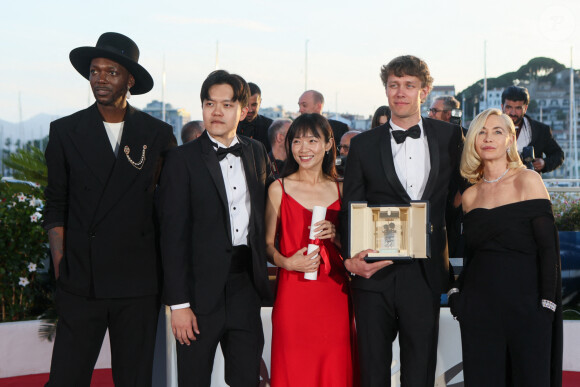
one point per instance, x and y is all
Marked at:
(411, 158)
(382, 116)
(549, 155)
(103, 164)
(345, 142)
(277, 136)
(312, 101)
(191, 131)
(255, 125)
(442, 106)
(311, 321)
(508, 297)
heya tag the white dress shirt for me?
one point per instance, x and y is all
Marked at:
(237, 193)
(412, 164)
(525, 136)
(238, 199)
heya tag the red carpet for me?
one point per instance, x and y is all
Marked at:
(101, 378)
(104, 378)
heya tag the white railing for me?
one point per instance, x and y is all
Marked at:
(562, 185)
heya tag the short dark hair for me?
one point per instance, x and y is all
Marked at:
(381, 111)
(407, 65)
(275, 128)
(515, 93)
(449, 102)
(222, 77)
(319, 127)
(189, 129)
(254, 89)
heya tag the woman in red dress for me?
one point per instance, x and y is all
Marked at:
(312, 325)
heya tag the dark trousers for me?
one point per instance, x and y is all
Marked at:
(406, 306)
(82, 324)
(237, 326)
(509, 347)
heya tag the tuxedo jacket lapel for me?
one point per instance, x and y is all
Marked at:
(249, 164)
(389, 164)
(431, 133)
(208, 154)
(93, 145)
(136, 135)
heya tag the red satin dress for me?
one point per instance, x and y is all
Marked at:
(312, 324)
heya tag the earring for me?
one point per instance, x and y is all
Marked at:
(128, 93)
(327, 152)
(508, 151)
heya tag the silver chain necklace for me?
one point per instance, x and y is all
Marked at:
(495, 180)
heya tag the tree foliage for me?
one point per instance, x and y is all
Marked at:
(28, 164)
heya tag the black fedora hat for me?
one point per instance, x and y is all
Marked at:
(118, 48)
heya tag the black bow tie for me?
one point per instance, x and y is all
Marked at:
(221, 153)
(401, 135)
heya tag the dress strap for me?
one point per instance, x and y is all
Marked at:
(281, 181)
(338, 189)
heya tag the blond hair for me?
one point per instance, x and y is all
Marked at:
(471, 167)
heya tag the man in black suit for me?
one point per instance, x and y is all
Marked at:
(408, 158)
(211, 207)
(103, 163)
(514, 103)
(255, 125)
(312, 101)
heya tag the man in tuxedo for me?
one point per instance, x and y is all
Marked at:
(312, 101)
(441, 109)
(211, 208)
(548, 154)
(103, 164)
(255, 125)
(408, 158)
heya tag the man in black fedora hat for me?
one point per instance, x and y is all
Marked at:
(103, 164)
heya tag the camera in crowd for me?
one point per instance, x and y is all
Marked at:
(528, 157)
(455, 117)
(340, 164)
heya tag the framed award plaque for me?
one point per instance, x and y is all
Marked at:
(397, 232)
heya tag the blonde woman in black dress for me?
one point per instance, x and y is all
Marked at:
(508, 297)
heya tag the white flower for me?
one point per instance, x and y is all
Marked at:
(21, 197)
(31, 267)
(35, 217)
(35, 202)
(23, 281)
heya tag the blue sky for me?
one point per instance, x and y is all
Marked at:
(264, 42)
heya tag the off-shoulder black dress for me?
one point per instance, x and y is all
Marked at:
(512, 263)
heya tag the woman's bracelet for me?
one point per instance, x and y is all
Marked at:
(549, 305)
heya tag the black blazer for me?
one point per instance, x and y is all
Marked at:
(196, 241)
(544, 144)
(105, 203)
(370, 176)
(338, 129)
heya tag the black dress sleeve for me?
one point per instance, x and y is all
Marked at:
(545, 235)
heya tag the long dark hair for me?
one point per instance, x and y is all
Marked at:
(381, 111)
(318, 126)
